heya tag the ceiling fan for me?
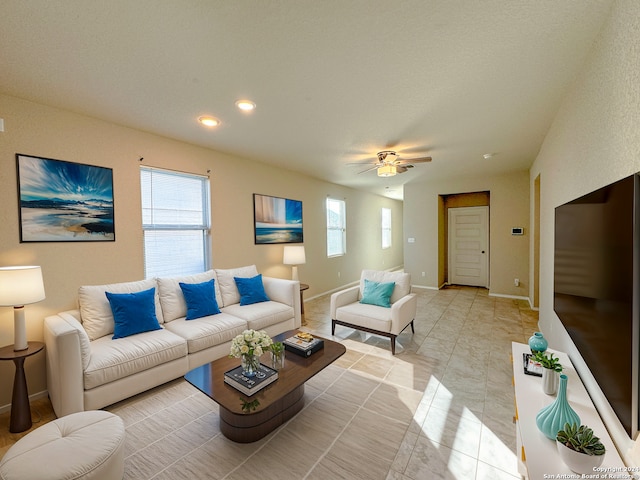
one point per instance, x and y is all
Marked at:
(389, 163)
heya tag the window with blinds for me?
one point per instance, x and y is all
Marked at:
(336, 227)
(175, 222)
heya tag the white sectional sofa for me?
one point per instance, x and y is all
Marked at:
(88, 369)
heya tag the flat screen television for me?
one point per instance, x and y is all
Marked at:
(596, 289)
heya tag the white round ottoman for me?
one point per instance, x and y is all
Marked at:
(88, 445)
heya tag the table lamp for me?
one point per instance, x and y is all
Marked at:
(294, 255)
(20, 286)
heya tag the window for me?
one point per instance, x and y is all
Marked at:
(336, 227)
(386, 228)
(175, 222)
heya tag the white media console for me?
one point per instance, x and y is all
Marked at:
(538, 457)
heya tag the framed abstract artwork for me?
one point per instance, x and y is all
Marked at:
(62, 201)
(277, 220)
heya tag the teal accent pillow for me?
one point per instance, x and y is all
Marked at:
(251, 290)
(200, 298)
(377, 293)
(133, 312)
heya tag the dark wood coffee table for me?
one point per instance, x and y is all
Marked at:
(278, 402)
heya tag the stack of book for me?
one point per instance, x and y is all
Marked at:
(250, 385)
(303, 344)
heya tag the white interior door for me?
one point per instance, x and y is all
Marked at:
(469, 246)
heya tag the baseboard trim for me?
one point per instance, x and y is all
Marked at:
(425, 287)
(334, 290)
(515, 297)
(7, 408)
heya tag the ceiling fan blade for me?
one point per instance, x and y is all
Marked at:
(413, 160)
(369, 169)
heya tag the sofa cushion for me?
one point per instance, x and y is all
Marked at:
(95, 311)
(261, 315)
(115, 359)
(401, 279)
(171, 297)
(376, 293)
(208, 331)
(200, 298)
(251, 290)
(368, 316)
(228, 289)
(133, 312)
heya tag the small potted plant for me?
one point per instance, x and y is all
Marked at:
(551, 367)
(579, 448)
(277, 355)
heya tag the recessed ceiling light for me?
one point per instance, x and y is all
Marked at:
(487, 156)
(209, 121)
(246, 105)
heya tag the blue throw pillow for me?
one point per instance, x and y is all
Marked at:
(377, 293)
(200, 298)
(133, 312)
(251, 290)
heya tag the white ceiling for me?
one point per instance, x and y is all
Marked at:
(334, 81)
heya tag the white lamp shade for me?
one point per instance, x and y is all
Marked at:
(387, 171)
(20, 286)
(294, 255)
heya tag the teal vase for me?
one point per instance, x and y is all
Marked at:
(537, 343)
(552, 418)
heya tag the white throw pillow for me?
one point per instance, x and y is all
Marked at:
(171, 296)
(95, 310)
(228, 288)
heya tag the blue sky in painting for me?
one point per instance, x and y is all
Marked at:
(294, 211)
(47, 179)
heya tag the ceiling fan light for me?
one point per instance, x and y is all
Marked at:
(387, 171)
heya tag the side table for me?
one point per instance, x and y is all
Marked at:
(20, 408)
(303, 287)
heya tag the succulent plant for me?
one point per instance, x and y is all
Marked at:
(548, 361)
(580, 439)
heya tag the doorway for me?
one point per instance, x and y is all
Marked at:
(469, 246)
(536, 244)
(452, 201)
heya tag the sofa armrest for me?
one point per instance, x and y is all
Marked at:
(66, 360)
(287, 292)
(403, 312)
(342, 298)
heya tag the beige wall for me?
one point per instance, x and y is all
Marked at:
(52, 133)
(509, 207)
(594, 141)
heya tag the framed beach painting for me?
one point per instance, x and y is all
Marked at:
(62, 201)
(277, 220)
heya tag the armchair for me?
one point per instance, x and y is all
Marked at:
(361, 307)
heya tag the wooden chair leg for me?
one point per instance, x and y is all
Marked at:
(333, 327)
(412, 329)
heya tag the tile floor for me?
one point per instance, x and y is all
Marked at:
(459, 360)
(441, 408)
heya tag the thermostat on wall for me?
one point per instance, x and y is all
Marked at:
(517, 231)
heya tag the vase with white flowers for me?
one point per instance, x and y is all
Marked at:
(249, 346)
